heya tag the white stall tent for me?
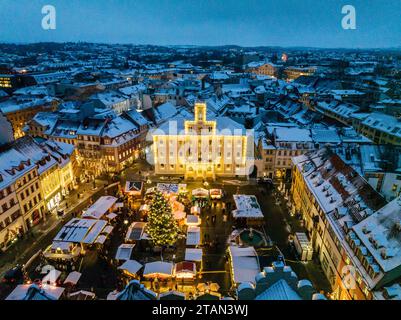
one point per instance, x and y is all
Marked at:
(101, 239)
(73, 278)
(200, 193)
(108, 230)
(193, 254)
(192, 220)
(244, 264)
(82, 295)
(136, 232)
(158, 269)
(196, 210)
(124, 251)
(100, 207)
(131, 266)
(111, 216)
(52, 277)
(193, 236)
(84, 231)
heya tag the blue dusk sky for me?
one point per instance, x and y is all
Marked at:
(315, 23)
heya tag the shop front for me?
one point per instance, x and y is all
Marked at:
(53, 201)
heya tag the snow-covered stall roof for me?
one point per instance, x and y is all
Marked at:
(192, 220)
(52, 277)
(136, 232)
(244, 263)
(131, 266)
(193, 236)
(193, 254)
(171, 188)
(100, 207)
(73, 278)
(158, 268)
(81, 231)
(124, 251)
(247, 207)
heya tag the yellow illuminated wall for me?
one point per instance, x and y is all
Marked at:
(201, 151)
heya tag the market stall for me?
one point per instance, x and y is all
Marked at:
(101, 208)
(158, 269)
(134, 188)
(248, 210)
(52, 277)
(192, 220)
(200, 193)
(195, 210)
(136, 232)
(63, 251)
(193, 236)
(244, 264)
(185, 270)
(130, 268)
(216, 194)
(124, 251)
(73, 278)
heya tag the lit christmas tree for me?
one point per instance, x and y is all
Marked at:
(162, 227)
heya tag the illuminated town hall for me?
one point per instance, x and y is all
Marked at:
(202, 148)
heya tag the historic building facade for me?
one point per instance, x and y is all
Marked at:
(202, 148)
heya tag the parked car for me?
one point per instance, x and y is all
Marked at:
(14, 276)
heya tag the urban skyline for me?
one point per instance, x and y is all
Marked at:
(246, 23)
(200, 172)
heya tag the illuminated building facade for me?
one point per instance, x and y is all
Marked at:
(348, 223)
(19, 111)
(293, 73)
(202, 148)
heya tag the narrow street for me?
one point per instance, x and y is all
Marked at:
(42, 235)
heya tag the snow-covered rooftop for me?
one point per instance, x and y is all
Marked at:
(247, 207)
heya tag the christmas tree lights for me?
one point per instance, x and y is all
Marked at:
(162, 227)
